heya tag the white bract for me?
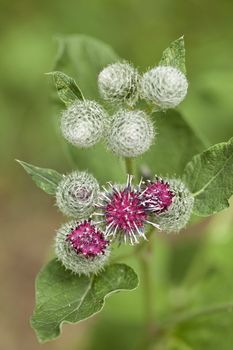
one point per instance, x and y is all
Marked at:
(164, 86)
(118, 83)
(131, 133)
(83, 123)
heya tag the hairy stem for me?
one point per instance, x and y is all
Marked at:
(129, 165)
(145, 262)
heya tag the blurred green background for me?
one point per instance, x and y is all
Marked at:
(138, 31)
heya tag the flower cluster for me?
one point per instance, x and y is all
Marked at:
(118, 212)
(124, 211)
(129, 132)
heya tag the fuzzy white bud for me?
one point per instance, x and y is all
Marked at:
(131, 133)
(178, 213)
(164, 86)
(118, 83)
(77, 194)
(83, 123)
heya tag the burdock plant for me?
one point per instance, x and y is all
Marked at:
(131, 118)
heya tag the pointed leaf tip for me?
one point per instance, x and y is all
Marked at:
(46, 179)
(174, 55)
(67, 89)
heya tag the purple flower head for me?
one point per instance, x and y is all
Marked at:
(157, 196)
(124, 212)
(87, 240)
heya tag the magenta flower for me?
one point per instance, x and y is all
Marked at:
(124, 212)
(157, 196)
(87, 240)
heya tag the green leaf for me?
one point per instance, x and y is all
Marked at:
(176, 143)
(46, 179)
(174, 55)
(67, 89)
(209, 177)
(64, 297)
(83, 57)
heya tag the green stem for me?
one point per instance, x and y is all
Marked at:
(129, 165)
(228, 307)
(145, 262)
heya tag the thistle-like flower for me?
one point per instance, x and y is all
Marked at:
(118, 83)
(178, 213)
(82, 247)
(77, 194)
(157, 196)
(123, 212)
(83, 123)
(131, 133)
(165, 86)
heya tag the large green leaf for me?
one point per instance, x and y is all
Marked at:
(66, 87)
(176, 143)
(64, 297)
(174, 55)
(83, 57)
(46, 179)
(209, 177)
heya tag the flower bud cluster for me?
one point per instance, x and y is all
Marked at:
(131, 132)
(83, 245)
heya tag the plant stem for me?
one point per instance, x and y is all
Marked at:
(209, 310)
(145, 262)
(129, 166)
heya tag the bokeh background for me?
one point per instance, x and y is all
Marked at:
(138, 31)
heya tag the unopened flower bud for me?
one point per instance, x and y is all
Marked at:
(164, 86)
(83, 123)
(77, 194)
(131, 133)
(81, 247)
(118, 83)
